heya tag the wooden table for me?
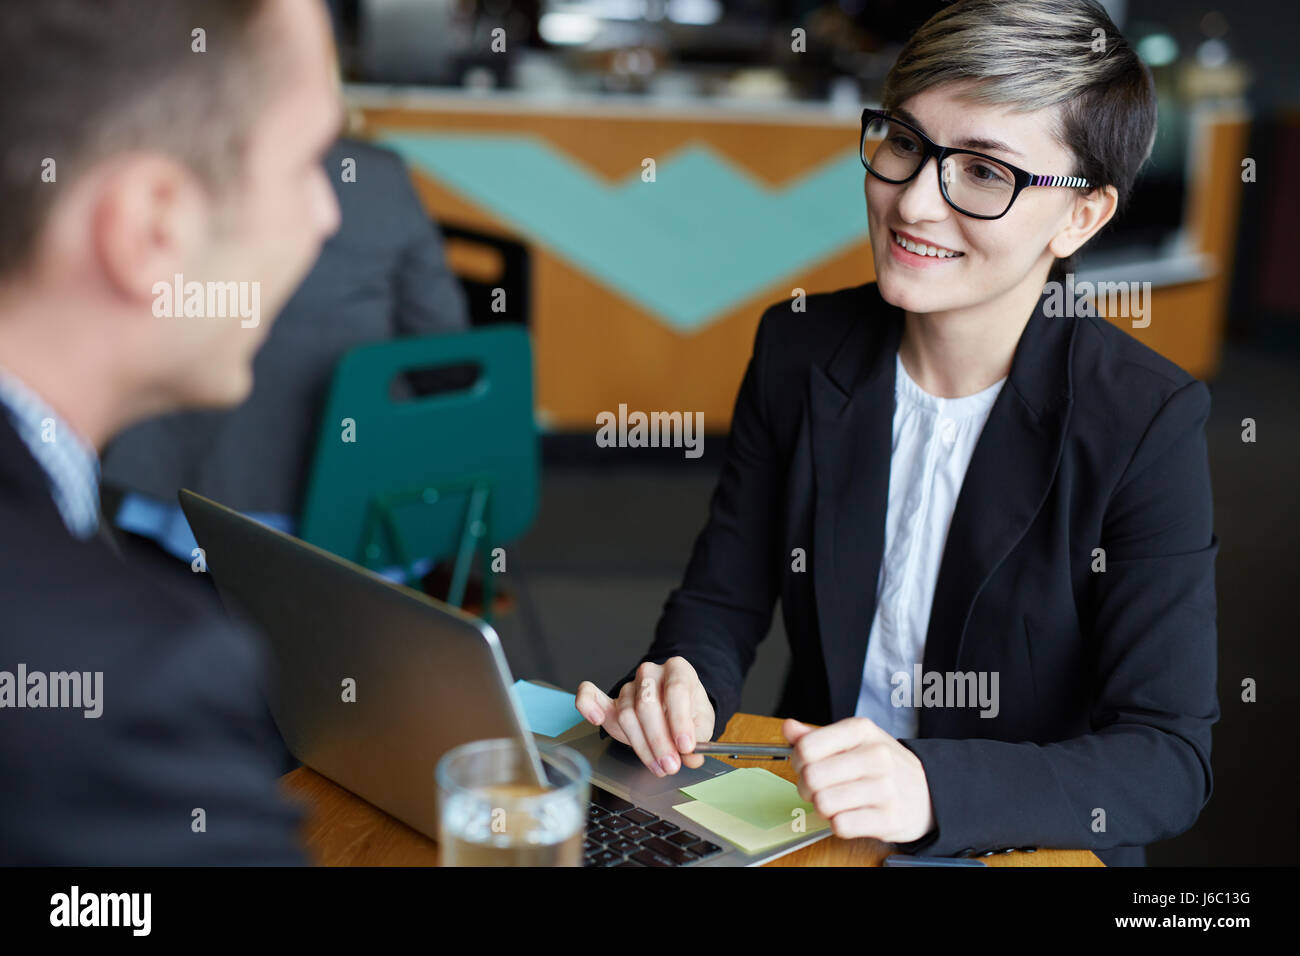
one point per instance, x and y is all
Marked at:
(343, 830)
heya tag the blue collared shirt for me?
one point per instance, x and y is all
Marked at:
(70, 463)
(167, 525)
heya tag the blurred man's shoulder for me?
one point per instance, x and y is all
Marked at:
(86, 598)
(372, 158)
(77, 598)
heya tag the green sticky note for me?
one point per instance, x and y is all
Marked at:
(752, 794)
(748, 837)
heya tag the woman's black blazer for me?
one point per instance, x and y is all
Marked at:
(1106, 677)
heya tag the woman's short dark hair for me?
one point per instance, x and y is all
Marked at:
(1029, 54)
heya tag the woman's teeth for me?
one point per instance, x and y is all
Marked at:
(923, 250)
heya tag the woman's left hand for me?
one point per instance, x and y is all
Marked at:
(861, 779)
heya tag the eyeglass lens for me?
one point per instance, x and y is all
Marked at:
(982, 187)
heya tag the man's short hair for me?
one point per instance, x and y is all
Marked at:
(83, 80)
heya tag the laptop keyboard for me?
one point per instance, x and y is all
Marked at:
(620, 833)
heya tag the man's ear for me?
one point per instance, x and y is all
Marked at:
(147, 222)
(1088, 214)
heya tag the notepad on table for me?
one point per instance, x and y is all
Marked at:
(752, 808)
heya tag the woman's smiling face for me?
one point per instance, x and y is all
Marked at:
(995, 255)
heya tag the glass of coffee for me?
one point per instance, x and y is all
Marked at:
(493, 812)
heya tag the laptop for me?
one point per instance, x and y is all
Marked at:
(372, 682)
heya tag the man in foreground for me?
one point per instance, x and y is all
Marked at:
(143, 148)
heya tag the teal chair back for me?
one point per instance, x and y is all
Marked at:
(398, 478)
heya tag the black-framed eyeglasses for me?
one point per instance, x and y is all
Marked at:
(974, 184)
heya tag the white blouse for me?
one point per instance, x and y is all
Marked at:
(933, 442)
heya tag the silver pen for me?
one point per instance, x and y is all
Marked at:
(744, 751)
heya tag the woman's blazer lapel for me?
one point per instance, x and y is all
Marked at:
(851, 409)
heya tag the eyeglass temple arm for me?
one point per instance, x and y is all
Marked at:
(1057, 181)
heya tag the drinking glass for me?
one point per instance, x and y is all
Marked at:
(492, 811)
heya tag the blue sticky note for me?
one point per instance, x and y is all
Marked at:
(548, 712)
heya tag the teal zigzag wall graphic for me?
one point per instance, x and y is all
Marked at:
(702, 238)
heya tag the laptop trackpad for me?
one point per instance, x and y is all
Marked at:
(619, 764)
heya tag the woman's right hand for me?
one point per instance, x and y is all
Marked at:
(661, 714)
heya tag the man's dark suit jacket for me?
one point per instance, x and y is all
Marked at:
(183, 725)
(1107, 679)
